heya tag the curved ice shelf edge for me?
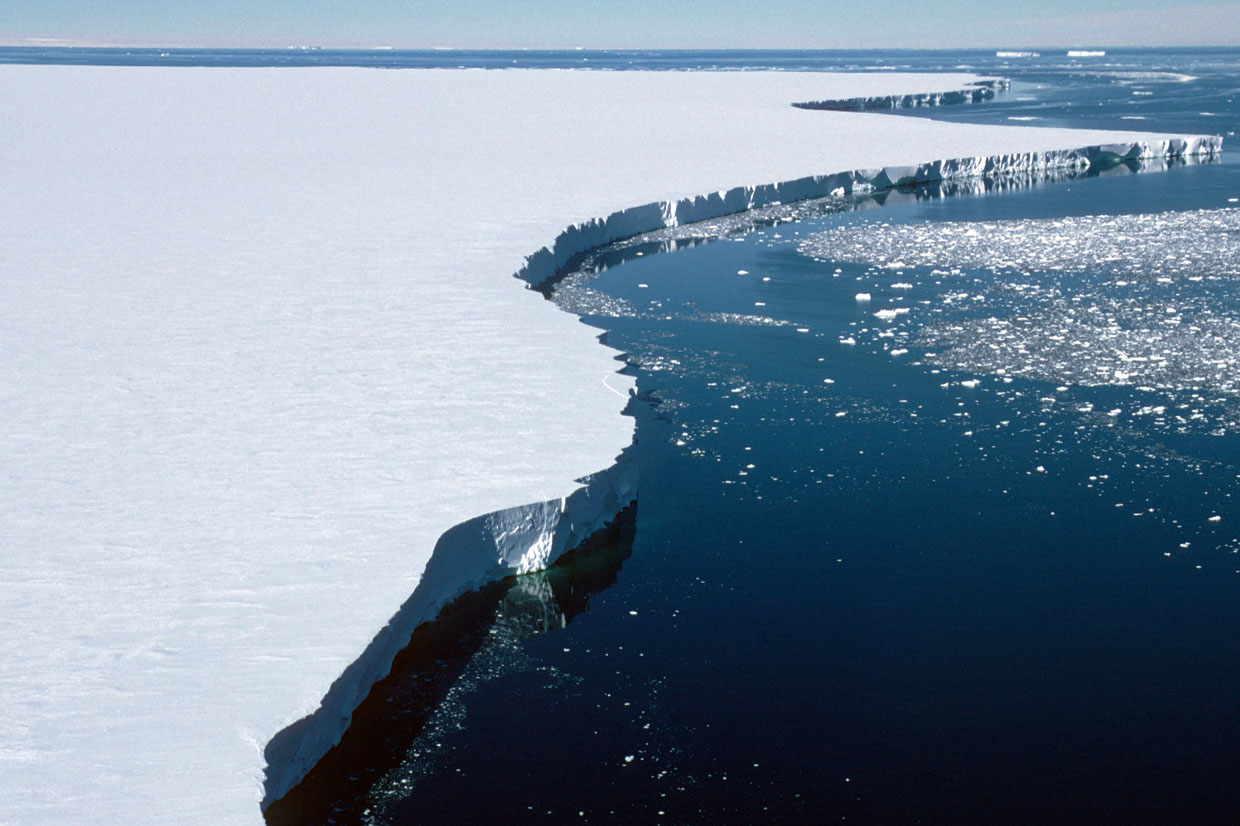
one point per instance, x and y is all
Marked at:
(580, 238)
(531, 537)
(976, 92)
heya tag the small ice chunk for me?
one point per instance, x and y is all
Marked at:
(970, 383)
(863, 296)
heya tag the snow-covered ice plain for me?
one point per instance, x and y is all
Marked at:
(263, 347)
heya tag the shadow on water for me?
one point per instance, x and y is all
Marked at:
(395, 712)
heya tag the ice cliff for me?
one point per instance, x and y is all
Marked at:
(482, 550)
(579, 238)
(974, 93)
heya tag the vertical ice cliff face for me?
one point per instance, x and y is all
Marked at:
(975, 93)
(485, 549)
(579, 238)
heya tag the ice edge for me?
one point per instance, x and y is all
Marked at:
(580, 238)
(531, 537)
(467, 556)
(977, 92)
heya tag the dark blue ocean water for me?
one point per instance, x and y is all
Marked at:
(964, 551)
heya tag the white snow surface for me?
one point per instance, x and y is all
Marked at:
(262, 347)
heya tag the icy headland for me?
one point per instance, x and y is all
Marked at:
(264, 352)
(973, 93)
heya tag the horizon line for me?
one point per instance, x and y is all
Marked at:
(66, 43)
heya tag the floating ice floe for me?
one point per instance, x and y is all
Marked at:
(1148, 326)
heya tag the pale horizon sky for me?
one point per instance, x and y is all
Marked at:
(690, 24)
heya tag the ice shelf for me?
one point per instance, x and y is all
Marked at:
(264, 354)
(975, 92)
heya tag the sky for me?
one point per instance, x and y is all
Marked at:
(684, 24)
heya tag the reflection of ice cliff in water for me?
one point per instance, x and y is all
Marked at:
(468, 556)
(379, 749)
